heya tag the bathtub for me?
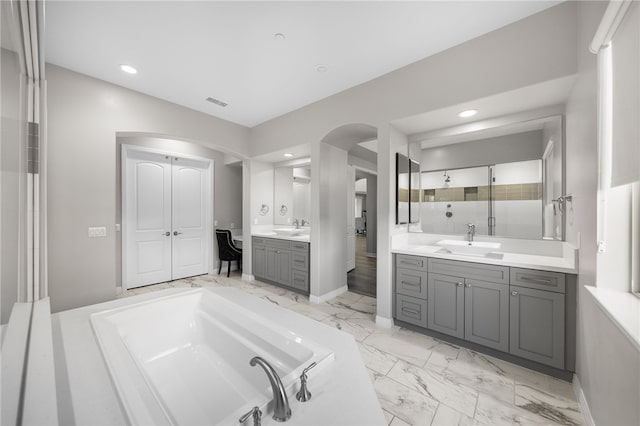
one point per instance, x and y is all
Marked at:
(184, 358)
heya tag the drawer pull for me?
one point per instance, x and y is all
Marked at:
(514, 293)
(298, 261)
(411, 311)
(412, 263)
(541, 281)
(410, 284)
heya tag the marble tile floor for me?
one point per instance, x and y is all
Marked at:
(420, 380)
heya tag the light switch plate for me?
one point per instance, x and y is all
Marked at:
(98, 231)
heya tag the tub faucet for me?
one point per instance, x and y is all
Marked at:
(281, 410)
(471, 231)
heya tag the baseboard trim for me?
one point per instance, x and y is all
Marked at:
(119, 289)
(582, 401)
(248, 277)
(372, 254)
(328, 296)
(384, 322)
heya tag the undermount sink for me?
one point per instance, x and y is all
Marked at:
(288, 231)
(476, 248)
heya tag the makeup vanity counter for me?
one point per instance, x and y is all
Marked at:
(517, 304)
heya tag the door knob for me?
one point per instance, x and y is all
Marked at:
(166, 234)
(514, 293)
(176, 233)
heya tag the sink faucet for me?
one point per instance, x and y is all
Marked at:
(281, 410)
(304, 222)
(471, 231)
(296, 222)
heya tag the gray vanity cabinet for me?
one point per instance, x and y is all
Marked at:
(537, 325)
(281, 262)
(445, 305)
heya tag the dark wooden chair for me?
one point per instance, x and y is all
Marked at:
(227, 251)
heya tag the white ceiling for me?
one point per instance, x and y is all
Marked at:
(187, 51)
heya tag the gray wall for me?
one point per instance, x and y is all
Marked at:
(84, 116)
(608, 365)
(501, 149)
(227, 182)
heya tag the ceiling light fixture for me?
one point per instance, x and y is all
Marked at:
(322, 68)
(288, 154)
(128, 69)
(468, 113)
(279, 36)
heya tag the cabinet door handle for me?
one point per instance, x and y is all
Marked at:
(177, 233)
(410, 284)
(166, 234)
(460, 284)
(411, 311)
(467, 285)
(514, 293)
(277, 251)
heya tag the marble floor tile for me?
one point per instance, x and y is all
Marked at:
(561, 388)
(404, 403)
(492, 411)
(308, 310)
(349, 297)
(375, 359)
(466, 372)
(388, 416)
(369, 323)
(401, 348)
(549, 406)
(398, 422)
(447, 416)
(436, 386)
(276, 299)
(335, 308)
(359, 333)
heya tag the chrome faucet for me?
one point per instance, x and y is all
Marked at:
(297, 223)
(304, 222)
(281, 410)
(471, 231)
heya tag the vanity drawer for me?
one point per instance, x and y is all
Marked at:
(278, 244)
(296, 245)
(411, 310)
(259, 240)
(300, 280)
(411, 283)
(478, 271)
(540, 280)
(406, 261)
(300, 260)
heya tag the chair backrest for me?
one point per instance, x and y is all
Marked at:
(226, 248)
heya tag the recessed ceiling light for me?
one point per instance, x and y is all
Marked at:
(279, 36)
(322, 68)
(468, 113)
(128, 69)
(288, 154)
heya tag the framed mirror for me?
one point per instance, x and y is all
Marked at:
(402, 189)
(292, 195)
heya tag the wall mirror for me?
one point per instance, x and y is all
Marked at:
(507, 180)
(291, 195)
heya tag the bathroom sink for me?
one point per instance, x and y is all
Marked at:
(290, 232)
(476, 248)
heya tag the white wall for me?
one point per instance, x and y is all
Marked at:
(227, 190)
(372, 214)
(607, 364)
(84, 116)
(328, 221)
(262, 179)
(283, 195)
(483, 152)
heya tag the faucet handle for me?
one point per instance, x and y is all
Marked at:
(303, 394)
(257, 416)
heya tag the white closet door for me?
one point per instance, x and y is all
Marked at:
(351, 218)
(191, 211)
(148, 218)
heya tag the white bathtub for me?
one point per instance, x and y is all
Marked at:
(184, 359)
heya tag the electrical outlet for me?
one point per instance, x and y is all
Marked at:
(215, 222)
(117, 227)
(96, 232)
(233, 225)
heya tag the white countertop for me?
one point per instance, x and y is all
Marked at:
(565, 264)
(270, 234)
(342, 394)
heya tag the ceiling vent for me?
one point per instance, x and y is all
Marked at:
(217, 101)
